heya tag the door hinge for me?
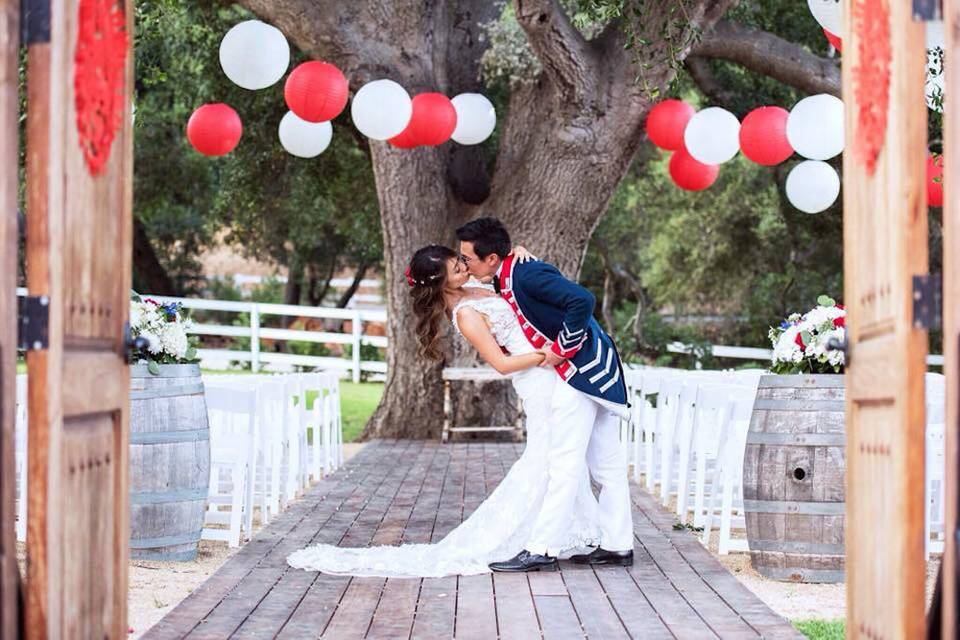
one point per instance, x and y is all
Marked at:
(34, 21)
(33, 322)
(926, 301)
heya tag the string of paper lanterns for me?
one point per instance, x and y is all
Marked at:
(255, 55)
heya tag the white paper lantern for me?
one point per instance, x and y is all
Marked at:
(476, 118)
(304, 139)
(812, 186)
(254, 55)
(815, 127)
(829, 13)
(712, 136)
(935, 77)
(381, 109)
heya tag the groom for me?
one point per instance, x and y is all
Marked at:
(557, 317)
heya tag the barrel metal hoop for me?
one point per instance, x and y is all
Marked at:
(165, 541)
(801, 508)
(800, 381)
(796, 546)
(802, 575)
(160, 497)
(193, 389)
(811, 439)
(161, 556)
(770, 404)
(170, 437)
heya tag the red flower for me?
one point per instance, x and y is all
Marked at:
(799, 341)
(839, 322)
(409, 277)
(841, 307)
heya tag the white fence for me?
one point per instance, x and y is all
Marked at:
(754, 353)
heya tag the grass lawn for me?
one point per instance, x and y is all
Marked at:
(821, 629)
(357, 403)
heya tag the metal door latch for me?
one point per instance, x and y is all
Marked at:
(33, 322)
(926, 301)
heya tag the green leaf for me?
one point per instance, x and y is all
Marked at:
(191, 353)
(826, 301)
(153, 367)
(806, 336)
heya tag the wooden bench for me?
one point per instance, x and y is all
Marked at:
(472, 374)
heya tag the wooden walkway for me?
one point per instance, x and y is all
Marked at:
(414, 491)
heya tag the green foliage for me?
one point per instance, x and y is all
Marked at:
(821, 629)
(311, 215)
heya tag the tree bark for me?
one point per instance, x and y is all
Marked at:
(150, 272)
(351, 291)
(565, 144)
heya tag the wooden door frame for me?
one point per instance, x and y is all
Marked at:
(9, 148)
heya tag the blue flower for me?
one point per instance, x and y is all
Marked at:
(785, 325)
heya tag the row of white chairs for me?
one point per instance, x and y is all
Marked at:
(687, 438)
(270, 437)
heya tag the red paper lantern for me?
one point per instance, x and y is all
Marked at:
(316, 91)
(763, 136)
(214, 129)
(690, 174)
(432, 122)
(834, 39)
(666, 122)
(934, 188)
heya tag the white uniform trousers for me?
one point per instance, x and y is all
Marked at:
(583, 433)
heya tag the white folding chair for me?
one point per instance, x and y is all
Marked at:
(232, 416)
(670, 416)
(271, 416)
(934, 517)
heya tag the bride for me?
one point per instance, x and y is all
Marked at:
(442, 292)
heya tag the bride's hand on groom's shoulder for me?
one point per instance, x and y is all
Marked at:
(523, 254)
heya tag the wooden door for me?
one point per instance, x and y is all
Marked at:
(951, 319)
(885, 246)
(79, 256)
(9, 49)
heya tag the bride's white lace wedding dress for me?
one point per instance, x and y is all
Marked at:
(499, 527)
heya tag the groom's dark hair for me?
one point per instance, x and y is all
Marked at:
(488, 235)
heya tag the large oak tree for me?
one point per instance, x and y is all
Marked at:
(565, 142)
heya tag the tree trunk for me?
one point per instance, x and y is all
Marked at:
(150, 273)
(565, 144)
(352, 289)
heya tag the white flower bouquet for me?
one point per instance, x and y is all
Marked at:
(165, 328)
(800, 343)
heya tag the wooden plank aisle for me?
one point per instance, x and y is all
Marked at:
(416, 492)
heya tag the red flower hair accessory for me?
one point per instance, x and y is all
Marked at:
(409, 277)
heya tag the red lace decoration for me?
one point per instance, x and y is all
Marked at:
(99, 80)
(871, 19)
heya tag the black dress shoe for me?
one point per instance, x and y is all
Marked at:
(602, 556)
(525, 561)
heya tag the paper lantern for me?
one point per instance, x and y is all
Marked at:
(404, 140)
(815, 127)
(712, 136)
(316, 91)
(476, 118)
(812, 186)
(828, 13)
(432, 122)
(763, 136)
(834, 40)
(254, 55)
(690, 174)
(302, 138)
(381, 109)
(214, 129)
(935, 181)
(666, 123)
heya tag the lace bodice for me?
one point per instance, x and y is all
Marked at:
(503, 323)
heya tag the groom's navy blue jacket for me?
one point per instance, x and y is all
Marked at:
(557, 312)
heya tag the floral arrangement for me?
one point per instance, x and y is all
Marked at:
(800, 342)
(165, 328)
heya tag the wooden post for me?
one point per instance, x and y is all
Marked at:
(885, 247)
(9, 105)
(951, 318)
(78, 255)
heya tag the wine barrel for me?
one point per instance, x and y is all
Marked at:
(169, 462)
(793, 478)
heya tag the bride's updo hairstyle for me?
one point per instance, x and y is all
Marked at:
(426, 276)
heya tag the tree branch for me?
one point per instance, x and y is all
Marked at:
(699, 70)
(561, 49)
(770, 55)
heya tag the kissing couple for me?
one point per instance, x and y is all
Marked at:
(537, 327)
